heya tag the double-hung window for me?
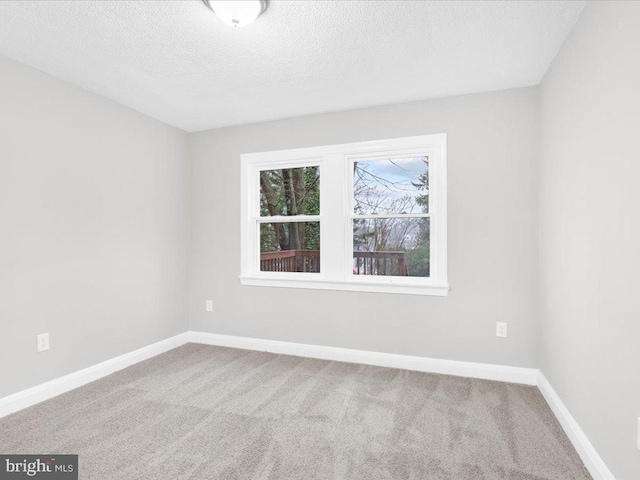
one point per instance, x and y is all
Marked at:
(368, 216)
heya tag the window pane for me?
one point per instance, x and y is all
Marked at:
(290, 191)
(290, 247)
(391, 246)
(391, 186)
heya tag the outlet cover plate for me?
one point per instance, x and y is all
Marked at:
(43, 342)
(501, 329)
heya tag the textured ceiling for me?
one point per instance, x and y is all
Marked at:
(177, 62)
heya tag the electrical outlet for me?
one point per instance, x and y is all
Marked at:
(209, 305)
(43, 342)
(501, 329)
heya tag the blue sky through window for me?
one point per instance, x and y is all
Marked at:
(387, 186)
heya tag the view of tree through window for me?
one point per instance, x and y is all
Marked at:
(292, 245)
(391, 225)
(378, 225)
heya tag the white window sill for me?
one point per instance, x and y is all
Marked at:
(359, 285)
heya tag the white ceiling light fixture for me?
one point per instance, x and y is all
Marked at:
(237, 13)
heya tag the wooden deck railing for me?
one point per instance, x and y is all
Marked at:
(366, 263)
(290, 261)
(381, 263)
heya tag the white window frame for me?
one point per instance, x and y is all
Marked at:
(335, 164)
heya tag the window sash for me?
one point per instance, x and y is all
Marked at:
(336, 217)
(291, 219)
(257, 219)
(393, 215)
(395, 154)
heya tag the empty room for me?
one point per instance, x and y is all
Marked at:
(323, 239)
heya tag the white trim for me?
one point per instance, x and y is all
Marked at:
(291, 219)
(374, 284)
(527, 376)
(53, 388)
(434, 147)
(336, 215)
(594, 463)
(390, 215)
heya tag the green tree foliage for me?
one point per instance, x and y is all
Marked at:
(312, 207)
(290, 192)
(418, 259)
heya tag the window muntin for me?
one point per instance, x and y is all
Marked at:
(413, 210)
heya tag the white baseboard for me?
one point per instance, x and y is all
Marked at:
(527, 376)
(594, 463)
(47, 390)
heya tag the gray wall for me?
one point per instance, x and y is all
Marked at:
(590, 230)
(94, 231)
(93, 228)
(492, 235)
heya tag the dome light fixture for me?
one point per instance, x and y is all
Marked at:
(237, 13)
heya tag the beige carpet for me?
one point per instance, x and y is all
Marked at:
(201, 412)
